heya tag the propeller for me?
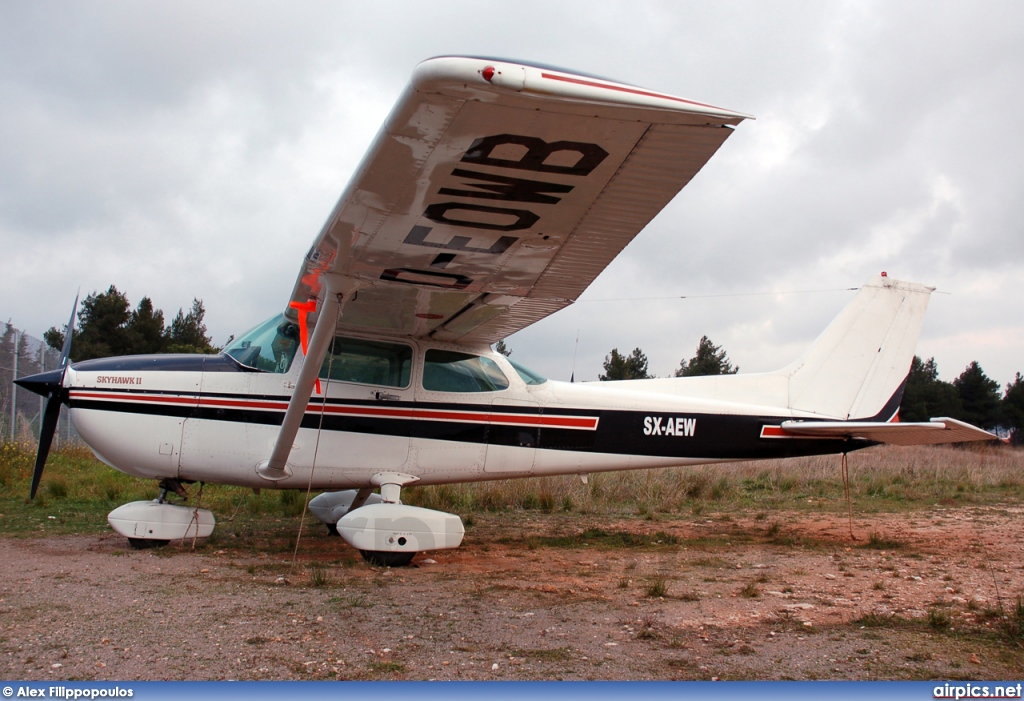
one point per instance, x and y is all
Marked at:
(50, 385)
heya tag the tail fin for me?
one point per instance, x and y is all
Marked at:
(857, 368)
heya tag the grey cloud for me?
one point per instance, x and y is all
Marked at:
(194, 149)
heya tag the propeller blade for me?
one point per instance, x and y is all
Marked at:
(65, 351)
(49, 427)
(52, 384)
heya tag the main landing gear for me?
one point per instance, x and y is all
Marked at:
(385, 531)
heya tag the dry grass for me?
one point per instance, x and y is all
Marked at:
(884, 476)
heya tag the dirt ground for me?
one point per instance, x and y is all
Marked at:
(777, 596)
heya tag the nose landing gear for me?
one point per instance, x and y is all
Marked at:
(151, 524)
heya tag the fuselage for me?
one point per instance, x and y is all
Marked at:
(214, 419)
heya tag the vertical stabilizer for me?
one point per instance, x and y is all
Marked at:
(856, 368)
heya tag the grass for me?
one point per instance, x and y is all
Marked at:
(557, 654)
(1009, 623)
(657, 586)
(750, 590)
(319, 576)
(876, 620)
(885, 478)
(385, 667)
(876, 541)
(596, 537)
(78, 491)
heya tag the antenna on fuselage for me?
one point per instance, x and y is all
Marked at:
(572, 376)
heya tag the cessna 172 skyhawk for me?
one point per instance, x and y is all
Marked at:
(492, 197)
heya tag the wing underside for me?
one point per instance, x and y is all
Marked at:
(495, 193)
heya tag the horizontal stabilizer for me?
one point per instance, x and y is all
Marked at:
(942, 430)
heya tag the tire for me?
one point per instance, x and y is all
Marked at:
(332, 529)
(383, 558)
(146, 543)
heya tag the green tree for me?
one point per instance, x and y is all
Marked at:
(108, 327)
(146, 328)
(620, 367)
(709, 360)
(979, 396)
(500, 347)
(926, 396)
(1013, 409)
(6, 355)
(187, 333)
(6, 378)
(102, 327)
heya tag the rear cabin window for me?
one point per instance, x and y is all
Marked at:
(450, 371)
(368, 362)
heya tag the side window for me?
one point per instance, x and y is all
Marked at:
(449, 371)
(368, 362)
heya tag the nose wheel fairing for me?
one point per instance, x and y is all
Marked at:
(158, 523)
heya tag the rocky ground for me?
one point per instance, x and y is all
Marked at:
(925, 595)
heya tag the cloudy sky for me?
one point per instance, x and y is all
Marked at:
(193, 149)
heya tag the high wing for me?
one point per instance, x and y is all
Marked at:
(942, 430)
(496, 192)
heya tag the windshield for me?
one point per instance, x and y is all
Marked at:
(529, 376)
(269, 347)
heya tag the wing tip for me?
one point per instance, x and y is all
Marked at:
(479, 73)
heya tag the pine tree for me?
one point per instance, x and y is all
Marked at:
(146, 328)
(620, 367)
(102, 327)
(107, 327)
(979, 396)
(709, 360)
(926, 396)
(1013, 409)
(6, 377)
(187, 333)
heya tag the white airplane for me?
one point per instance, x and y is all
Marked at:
(492, 197)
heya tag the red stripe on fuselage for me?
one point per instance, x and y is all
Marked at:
(537, 420)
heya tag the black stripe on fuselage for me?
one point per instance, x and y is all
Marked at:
(711, 436)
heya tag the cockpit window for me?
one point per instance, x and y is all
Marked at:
(450, 371)
(528, 376)
(368, 362)
(270, 347)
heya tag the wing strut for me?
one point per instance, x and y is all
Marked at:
(276, 468)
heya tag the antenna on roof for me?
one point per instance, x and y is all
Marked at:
(572, 377)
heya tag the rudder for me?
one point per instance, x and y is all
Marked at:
(858, 366)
